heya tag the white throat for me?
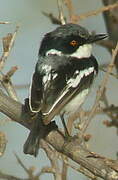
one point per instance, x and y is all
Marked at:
(83, 51)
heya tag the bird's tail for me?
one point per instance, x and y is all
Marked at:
(31, 145)
(39, 131)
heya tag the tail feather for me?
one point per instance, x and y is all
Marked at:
(31, 145)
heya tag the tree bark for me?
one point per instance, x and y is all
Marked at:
(97, 165)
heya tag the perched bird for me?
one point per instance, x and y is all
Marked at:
(63, 76)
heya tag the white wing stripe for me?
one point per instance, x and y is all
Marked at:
(73, 82)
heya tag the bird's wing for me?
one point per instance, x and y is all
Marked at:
(54, 85)
(35, 95)
(74, 85)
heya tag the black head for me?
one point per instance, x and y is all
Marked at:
(66, 39)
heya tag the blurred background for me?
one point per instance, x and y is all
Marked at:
(33, 25)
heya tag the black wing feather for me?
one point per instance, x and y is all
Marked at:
(35, 96)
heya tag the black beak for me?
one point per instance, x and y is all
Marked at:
(97, 37)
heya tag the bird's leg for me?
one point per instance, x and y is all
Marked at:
(64, 125)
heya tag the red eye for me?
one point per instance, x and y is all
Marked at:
(74, 43)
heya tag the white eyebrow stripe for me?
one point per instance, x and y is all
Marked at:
(53, 52)
(83, 51)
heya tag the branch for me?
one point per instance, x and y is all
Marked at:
(9, 177)
(111, 21)
(95, 164)
(60, 10)
(52, 156)
(4, 22)
(98, 11)
(53, 19)
(3, 143)
(6, 82)
(99, 166)
(101, 89)
(8, 43)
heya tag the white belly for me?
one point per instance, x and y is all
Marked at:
(75, 103)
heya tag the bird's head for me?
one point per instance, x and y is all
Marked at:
(70, 40)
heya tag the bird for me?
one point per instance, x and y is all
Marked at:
(64, 73)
